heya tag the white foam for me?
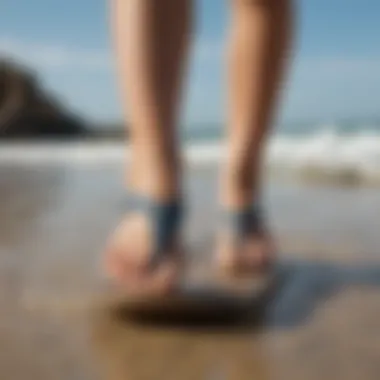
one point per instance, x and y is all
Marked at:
(91, 153)
(325, 151)
(328, 151)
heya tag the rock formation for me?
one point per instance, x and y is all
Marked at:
(27, 111)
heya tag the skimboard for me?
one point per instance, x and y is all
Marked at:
(200, 300)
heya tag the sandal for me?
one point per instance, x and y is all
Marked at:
(165, 218)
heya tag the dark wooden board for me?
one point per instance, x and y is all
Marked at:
(199, 300)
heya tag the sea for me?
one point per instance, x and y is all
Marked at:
(340, 152)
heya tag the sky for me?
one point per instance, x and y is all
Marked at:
(335, 71)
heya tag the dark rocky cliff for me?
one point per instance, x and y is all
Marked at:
(28, 111)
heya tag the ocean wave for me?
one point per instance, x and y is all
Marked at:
(329, 153)
(325, 155)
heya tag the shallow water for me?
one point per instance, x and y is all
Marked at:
(324, 321)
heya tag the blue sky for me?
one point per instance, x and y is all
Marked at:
(335, 72)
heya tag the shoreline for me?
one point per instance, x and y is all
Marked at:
(280, 167)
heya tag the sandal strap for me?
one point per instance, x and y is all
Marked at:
(244, 221)
(165, 218)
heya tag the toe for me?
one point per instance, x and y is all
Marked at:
(163, 279)
(157, 282)
(258, 254)
(115, 265)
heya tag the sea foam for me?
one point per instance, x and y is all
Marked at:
(316, 155)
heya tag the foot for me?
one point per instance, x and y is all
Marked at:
(144, 255)
(245, 246)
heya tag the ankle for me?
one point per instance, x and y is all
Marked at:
(156, 176)
(161, 190)
(241, 176)
(240, 187)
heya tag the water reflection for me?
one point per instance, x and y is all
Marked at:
(129, 350)
(26, 194)
(53, 224)
(306, 284)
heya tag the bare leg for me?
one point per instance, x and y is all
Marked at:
(259, 37)
(151, 38)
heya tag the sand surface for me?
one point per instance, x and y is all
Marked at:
(324, 322)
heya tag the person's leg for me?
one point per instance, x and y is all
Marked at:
(259, 38)
(151, 40)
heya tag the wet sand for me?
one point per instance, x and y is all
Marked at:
(324, 322)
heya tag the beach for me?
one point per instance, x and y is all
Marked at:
(55, 216)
